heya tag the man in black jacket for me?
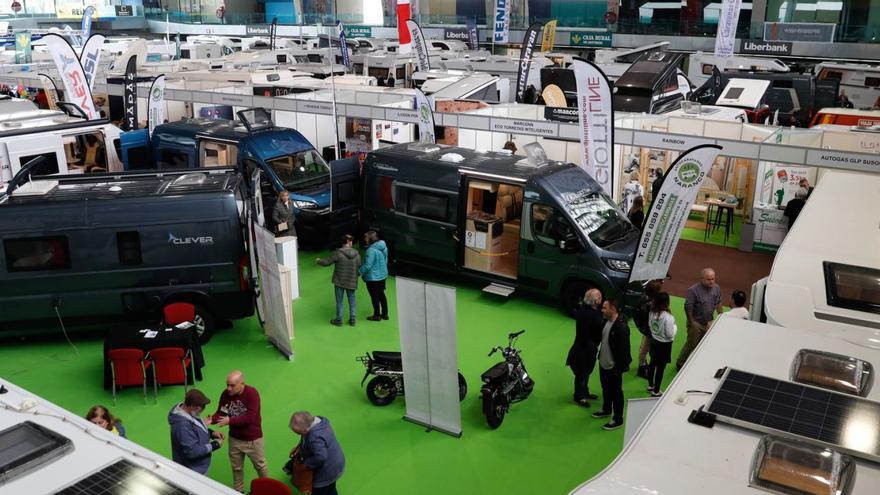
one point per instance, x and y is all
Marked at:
(582, 355)
(614, 361)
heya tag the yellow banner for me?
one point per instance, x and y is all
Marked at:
(548, 38)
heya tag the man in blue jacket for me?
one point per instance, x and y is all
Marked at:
(375, 271)
(320, 451)
(191, 441)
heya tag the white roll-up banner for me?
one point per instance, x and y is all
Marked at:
(51, 91)
(90, 56)
(501, 21)
(76, 88)
(419, 45)
(277, 326)
(669, 211)
(425, 108)
(525, 59)
(596, 120)
(725, 37)
(156, 103)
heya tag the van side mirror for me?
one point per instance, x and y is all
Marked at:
(569, 245)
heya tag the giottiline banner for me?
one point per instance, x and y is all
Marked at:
(129, 97)
(669, 211)
(419, 45)
(343, 48)
(76, 88)
(425, 108)
(549, 36)
(90, 56)
(501, 21)
(525, 59)
(596, 120)
(725, 37)
(156, 103)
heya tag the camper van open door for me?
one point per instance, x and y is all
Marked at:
(344, 178)
(255, 217)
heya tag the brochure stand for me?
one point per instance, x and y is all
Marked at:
(287, 249)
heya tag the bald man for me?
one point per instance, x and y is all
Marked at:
(702, 302)
(582, 354)
(239, 408)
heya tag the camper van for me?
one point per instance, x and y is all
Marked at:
(849, 117)
(860, 82)
(546, 229)
(653, 84)
(113, 247)
(701, 65)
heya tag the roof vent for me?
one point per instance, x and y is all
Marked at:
(452, 158)
(833, 372)
(783, 466)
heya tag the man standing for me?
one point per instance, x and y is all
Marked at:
(703, 299)
(345, 277)
(320, 451)
(614, 361)
(191, 441)
(805, 184)
(239, 408)
(582, 355)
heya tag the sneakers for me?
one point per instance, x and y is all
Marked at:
(601, 414)
(384, 317)
(351, 322)
(656, 394)
(582, 402)
(336, 321)
(612, 425)
(375, 318)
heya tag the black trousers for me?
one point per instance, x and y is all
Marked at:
(655, 375)
(377, 297)
(582, 376)
(325, 490)
(612, 393)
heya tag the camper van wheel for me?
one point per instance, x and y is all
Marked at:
(205, 324)
(572, 295)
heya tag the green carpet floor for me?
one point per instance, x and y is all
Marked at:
(546, 445)
(716, 237)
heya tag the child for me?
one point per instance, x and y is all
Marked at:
(738, 305)
(100, 416)
(663, 332)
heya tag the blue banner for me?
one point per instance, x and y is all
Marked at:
(340, 30)
(87, 22)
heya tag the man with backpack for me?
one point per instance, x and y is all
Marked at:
(640, 317)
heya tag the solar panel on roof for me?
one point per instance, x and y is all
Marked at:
(122, 478)
(844, 422)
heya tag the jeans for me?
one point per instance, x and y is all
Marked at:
(612, 393)
(325, 490)
(352, 306)
(377, 297)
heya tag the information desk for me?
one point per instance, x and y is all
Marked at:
(771, 226)
(133, 337)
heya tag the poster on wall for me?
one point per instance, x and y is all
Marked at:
(786, 182)
(358, 137)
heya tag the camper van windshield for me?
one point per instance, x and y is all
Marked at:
(597, 216)
(299, 170)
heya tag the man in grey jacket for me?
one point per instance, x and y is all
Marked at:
(346, 261)
(191, 441)
(320, 451)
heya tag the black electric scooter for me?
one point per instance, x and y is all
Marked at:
(387, 368)
(505, 383)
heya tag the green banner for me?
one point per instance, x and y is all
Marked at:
(590, 38)
(358, 31)
(23, 47)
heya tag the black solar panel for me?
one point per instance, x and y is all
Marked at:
(847, 423)
(123, 478)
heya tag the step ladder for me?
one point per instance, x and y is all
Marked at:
(499, 289)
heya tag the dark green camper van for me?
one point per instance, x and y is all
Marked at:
(546, 229)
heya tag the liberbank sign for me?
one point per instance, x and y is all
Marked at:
(758, 47)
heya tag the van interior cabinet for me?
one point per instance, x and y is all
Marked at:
(492, 228)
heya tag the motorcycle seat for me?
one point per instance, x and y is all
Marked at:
(386, 356)
(495, 372)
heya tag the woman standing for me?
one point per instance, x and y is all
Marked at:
(663, 332)
(282, 215)
(100, 416)
(636, 213)
(375, 271)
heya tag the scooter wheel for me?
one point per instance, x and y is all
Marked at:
(462, 387)
(494, 409)
(381, 391)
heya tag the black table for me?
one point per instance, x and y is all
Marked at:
(131, 337)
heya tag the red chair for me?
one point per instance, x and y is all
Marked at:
(128, 367)
(269, 486)
(179, 312)
(169, 367)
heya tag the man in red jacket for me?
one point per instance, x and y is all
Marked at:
(239, 408)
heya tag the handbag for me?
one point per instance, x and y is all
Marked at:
(301, 476)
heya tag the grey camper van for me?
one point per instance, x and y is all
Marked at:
(106, 248)
(548, 229)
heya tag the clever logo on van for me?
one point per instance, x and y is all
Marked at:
(180, 241)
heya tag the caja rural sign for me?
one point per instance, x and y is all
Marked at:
(590, 38)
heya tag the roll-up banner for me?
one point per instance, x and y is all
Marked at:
(473, 40)
(51, 91)
(419, 46)
(525, 59)
(669, 211)
(130, 119)
(402, 30)
(725, 37)
(76, 88)
(501, 21)
(86, 27)
(549, 36)
(23, 51)
(343, 48)
(273, 33)
(425, 108)
(90, 56)
(596, 119)
(156, 103)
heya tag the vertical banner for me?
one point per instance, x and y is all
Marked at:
(402, 30)
(669, 211)
(177, 47)
(86, 27)
(90, 56)
(429, 355)
(279, 323)
(548, 39)
(419, 46)
(76, 88)
(525, 59)
(156, 103)
(273, 33)
(501, 21)
(725, 37)
(596, 119)
(425, 108)
(343, 48)
(473, 39)
(51, 91)
(129, 98)
(23, 53)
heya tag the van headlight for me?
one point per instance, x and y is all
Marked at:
(618, 265)
(305, 205)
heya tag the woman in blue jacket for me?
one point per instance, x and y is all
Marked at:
(375, 271)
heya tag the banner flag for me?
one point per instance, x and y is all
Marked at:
(343, 48)
(669, 211)
(419, 46)
(525, 59)
(76, 88)
(86, 27)
(130, 116)
(273, 33)
(596, 119)
(156, 103)
(425, 108)
(90, 56)
(51, 91)
(549, 37)
(402, 30)
(501, 23)
(725, 37)
(473, 39)
(23, 51)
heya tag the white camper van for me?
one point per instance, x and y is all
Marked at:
(701, 65)
(860, 82)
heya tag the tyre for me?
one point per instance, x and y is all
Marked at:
(205, 323)
(462, 387)
(572, 295)
(494, 409)
(381, 391)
